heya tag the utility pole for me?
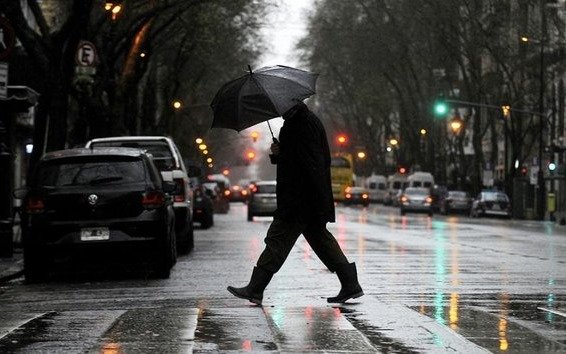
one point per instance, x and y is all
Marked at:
(540, 174)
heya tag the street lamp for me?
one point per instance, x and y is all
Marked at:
(456, 124)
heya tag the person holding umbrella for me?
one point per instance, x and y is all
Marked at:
(304, 197)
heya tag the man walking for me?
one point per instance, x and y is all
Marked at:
(304, 206)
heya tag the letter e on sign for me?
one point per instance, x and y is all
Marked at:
(86, 54)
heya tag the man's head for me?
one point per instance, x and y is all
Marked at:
(291, 111)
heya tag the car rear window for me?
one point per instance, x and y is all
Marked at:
(266, 188)
(159, 150)
(73, 172)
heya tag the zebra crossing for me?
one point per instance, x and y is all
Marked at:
(303, 329)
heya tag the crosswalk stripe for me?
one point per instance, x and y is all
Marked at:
(315, 329)
(369, 326)
(163, 330)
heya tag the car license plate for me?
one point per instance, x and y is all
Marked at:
(95, 234)
(495, 207)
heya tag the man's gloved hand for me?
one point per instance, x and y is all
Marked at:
(275, 148)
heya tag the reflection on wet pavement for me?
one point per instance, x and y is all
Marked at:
(315, 328)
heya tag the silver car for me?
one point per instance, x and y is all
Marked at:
(415, 199)
(263, 199)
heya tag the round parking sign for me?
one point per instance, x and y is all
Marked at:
(7, 38)
(86, 54)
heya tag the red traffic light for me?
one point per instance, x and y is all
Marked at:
(402, 170)
(524, 171)
(342, 139)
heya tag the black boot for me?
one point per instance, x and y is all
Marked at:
(254, 290)
(348, 277)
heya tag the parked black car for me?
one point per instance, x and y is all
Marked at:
(491, 202)
(170, 163)
(203, 208)
(103, 202)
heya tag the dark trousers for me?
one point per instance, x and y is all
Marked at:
(282, 235)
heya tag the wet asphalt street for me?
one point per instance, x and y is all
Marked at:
(440, 284)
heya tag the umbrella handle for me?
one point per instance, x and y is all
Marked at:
(272, 136)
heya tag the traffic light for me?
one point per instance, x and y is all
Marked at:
(440, 108)
(524, 171)
(402, 170)
(342, 139)
(551, 166)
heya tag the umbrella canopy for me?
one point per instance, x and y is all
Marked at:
(260, 95)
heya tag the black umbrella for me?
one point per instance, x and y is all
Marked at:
(260, 95)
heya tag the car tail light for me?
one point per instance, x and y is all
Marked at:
(179, 195)
(348, 196)
(35, 205)
(226, 193)
(153, 200)
(244, 192)
(428, 200)
(404, 199)
(236, 188)
(365, 196)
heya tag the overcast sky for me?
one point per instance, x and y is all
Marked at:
(287, 24)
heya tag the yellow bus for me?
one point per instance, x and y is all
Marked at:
(342, 174)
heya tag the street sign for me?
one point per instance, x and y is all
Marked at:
(3, 80)
(7, 38)
(86, 54)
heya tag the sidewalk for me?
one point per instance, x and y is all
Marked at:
(12, 267)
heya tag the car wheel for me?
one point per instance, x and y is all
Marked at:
(250, 215)
(187, 243)
(167, 257)
(208, 220)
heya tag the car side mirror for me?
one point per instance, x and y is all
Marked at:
(169, 187)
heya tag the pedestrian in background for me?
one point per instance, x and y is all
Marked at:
(304, 205)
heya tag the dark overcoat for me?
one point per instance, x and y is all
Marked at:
(304, 190)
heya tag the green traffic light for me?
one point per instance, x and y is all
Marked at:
(440, 108)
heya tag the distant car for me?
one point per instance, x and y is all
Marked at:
(109, 201)
(415, 199)
(263, 199)
(220, 201)
(494, 203)
(203, 208)
(239, 193)
(456, 202)
(169, 161)
(357, 195)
